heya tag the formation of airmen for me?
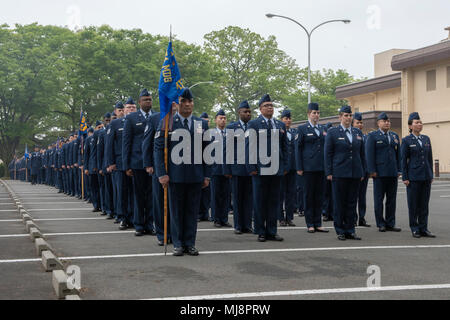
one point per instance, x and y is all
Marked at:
(323, 173)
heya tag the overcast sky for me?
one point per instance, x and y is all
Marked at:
(376, 25)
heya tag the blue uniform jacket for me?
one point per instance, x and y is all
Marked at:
(383, 157)
(342, 158)
(310, 148)
(235, 169)
(114, 143)
(101, 163)
(133, 136)
(417, 161)
(148, 145)
(261, 124)
(183, 173)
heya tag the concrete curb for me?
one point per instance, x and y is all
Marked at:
(43, 249)
(42, 245)
(59, 281)
(35, 233)
(50, 261)
(30, 224)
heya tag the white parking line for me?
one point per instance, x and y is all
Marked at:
(61, 209)
(128, 232)
(55, 203)
(8, 210)
(11, 220)
(308, 292)
(254, 251)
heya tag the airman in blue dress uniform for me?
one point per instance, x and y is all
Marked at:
(417, 174)
(345, 167)
(288, 183)
(384, 166)
(184, 180)
(362, 192)
(241, 182)
(266, 188)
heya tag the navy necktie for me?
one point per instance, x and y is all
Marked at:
(186, 124)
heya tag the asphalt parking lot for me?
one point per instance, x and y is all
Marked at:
(116, 265)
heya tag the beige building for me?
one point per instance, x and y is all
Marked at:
(410, 81)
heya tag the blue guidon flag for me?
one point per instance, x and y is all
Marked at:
(83, 127)
(26, 153)
(170, 84)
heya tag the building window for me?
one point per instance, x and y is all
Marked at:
(431, 80)
(448, 77)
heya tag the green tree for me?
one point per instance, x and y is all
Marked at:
(248, 66)
(30, 80)
(323, 88)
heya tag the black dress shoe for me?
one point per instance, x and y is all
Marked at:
(282, 223)
(416, 234)
(382, 229)
(301, 214)
(139, 233)
(327, 219)
(261, 238)
(247, 231)
(192, 251)
(103, 213)
(96, 210)
(161, 243)
(427, 234)
(150, 232)
(352, 237)
(227, 225)
(217, 225)
(363, 223)
(291, 224)
(322, 230)
(237, 232)
(393, 229)
(275, 238)
(123, 226)
(311, 231)
(342, 237)
(178, 252)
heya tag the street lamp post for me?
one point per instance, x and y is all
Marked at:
(199, 83)
(309, 33)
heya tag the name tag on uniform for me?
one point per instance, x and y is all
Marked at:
(121, 129)
(341, 138)
(139, 124)
(413, 146)
(310, 134)
(380, 142)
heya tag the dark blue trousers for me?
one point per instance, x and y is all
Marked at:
(314, 190)
(288, 196)
(345, 195)
(418, 193)
(101, 188)
(95, 191)
(385, 187)
(242, 190)
(184, 201)
(108, 194)
(121, 205)
(143, 201)
(327, 208)
(266, 204)
(300, 194)
(220, 191)
(158, 209)
(205, 204)
(362, 195)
